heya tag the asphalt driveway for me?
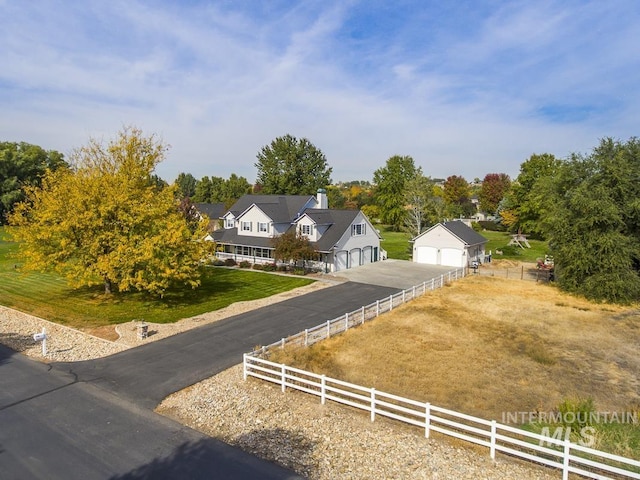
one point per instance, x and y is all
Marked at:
(145, 375)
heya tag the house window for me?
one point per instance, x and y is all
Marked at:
(246, 226)
(242, 250)
(305, 229)
(230, 223)
(263, 227)
(358, 229)
(263, 253)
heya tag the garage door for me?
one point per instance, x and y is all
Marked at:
(428, 255)
(341, 260)
(451, 257)
(354, 261)
(367, 253)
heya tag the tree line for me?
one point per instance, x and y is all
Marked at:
(586, 206)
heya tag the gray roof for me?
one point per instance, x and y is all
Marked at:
(468, 235)
(212, 210)
(230, 236)
(280, 208)
(338, 221)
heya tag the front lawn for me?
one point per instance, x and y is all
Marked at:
(48, 295)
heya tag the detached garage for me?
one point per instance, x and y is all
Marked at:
(450, 244)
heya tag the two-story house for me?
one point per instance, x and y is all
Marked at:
(343, 238)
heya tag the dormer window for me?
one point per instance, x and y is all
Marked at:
(305, 229)
(263, 227)
(246, 226)
(358, 229)
(229, 223)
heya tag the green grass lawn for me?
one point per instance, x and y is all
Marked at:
(48, 295)
(500, 241)
(396, 243)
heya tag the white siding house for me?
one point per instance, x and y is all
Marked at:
(343, 238)
(451, 244)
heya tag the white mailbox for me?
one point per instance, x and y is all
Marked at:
(38, 337)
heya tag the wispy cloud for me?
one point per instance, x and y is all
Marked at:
(464, 87)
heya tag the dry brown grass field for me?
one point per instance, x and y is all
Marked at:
(485, 346)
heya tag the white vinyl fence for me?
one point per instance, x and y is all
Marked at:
(358, 317)
(553, 452)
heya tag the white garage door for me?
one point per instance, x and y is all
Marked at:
(367, 253)
(354, 261)
(341, 260)
(428, 255)
(451, 257)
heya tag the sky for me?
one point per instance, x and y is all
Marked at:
(463, 87)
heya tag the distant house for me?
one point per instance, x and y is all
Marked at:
(343, 238)
(212, 211)
(451, 244)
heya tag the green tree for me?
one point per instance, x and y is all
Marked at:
(456, 195)
(421, 204)
(593, 224)
(494, 187)
(104, 221)
(391, 181)
(292, 247)
(22, 165)
(528, 201)
(289, 166)
(186, 184)
(234, 188)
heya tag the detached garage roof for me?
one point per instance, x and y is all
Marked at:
(457, 228)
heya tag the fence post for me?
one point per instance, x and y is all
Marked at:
(328, 328)
(427, 420)
(373, 404)
(390, 302)
(346, 321)
(284, 378)
(442, 280)
(433, 284)
(424, 287)
(403, 296)
(363, 314)
(306, 337)
(282, 343)
(492, 450)
(565, 459)
(413, 292)
(377, 308)
(244, 366)
(323, 391)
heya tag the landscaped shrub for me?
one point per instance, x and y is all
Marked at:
(282, 268)
(230, 262)
(218, 263)
(258, 266)
(244, 264)
(269, 267)
(299, 271)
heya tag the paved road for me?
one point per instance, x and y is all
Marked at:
(55, 427)
(93, 420)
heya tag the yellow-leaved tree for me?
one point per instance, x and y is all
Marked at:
(105, 221)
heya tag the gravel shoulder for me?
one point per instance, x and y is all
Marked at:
(291, 428)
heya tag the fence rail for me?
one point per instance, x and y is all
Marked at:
(357, 317)
(561, 454)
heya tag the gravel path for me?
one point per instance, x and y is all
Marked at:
(293, 429)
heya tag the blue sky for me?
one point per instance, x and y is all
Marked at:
(464, 87)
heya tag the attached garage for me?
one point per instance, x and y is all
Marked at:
(451, 244)
(367, 255)
(341, 260)
(354, 258)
